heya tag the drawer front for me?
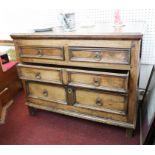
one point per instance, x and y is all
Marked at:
(39, 73)
(55, 53)
(117, 82)
(100, 55)
(46, 92)
(101, 101)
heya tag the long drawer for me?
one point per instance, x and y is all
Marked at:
(78, 54)
(83, 98)
(109, 81)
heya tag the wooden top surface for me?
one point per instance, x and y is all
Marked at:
(95, 32)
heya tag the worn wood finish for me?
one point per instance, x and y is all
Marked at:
(100, 55)
(116, 44)
(75, 43)
(72, 35)
(109, 81)
(96, 79)
(101, 101)
(75, 64)
(134, 74)
(46, 92)
(78, 110)
(117, 82)
(81, 115)
(56, 53)
(39, 73)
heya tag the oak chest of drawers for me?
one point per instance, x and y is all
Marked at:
(93, 77)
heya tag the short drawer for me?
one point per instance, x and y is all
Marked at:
(55, 53)
(100, 55)
(110, 81)
(40, 73)
(101, 101)
(53, 93)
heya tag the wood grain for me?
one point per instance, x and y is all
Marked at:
(46, 92)
(134, 74)
(101, 100)
(111, 81)
(55, 53)
(39, 73)
(97, 75)
(100, 55)
(73, 35)
(69, 108)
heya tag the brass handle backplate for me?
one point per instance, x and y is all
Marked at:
(97, 81)
(98, 56)
(39, 52)
(45, 93)
(70, 96)
(70, 91)
(38, 76)
(99, 101)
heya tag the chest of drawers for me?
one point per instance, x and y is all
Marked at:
(92, 77)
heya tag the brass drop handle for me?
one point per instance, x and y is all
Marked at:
(97, 81)
(39, 52)
(38, 76)
(45, 93)
(98, 56)
(99, 101)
